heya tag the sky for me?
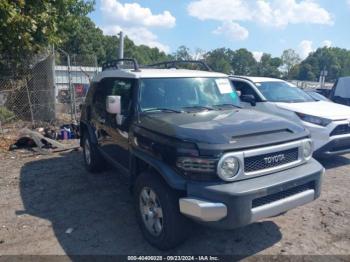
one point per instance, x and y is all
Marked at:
(269, 26)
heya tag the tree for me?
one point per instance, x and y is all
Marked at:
(199, 54)
(182, 53)
(85, 39)
(335, 60)
(88, 41)
(27, 27)
(289, 58)
(220, 60)
(269, 66)
(306, 72)
(243, 62)
(294, 72)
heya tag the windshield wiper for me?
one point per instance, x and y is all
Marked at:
(222, 105)
(199, 107)
(162, 109)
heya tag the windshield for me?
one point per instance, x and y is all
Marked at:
(183, 94)
(283, 92)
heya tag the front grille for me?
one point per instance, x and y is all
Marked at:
(270, 160)
(281, 195)
(196, 165)
(341, 130)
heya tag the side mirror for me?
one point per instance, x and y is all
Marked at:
(249, 99)
(113, 104)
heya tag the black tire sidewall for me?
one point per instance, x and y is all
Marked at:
(96, 161)
(175, 225)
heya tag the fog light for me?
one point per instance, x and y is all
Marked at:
(228, 168)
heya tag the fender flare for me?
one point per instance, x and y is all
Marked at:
(90, 131)
(173, 179)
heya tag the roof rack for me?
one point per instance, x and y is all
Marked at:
(115, 64)
(172, 64)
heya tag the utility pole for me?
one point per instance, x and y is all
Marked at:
(121, 46)
(73, 111)
(323, 75)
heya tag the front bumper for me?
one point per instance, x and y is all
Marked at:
(324, 143)
(231, 205)
(337, 145)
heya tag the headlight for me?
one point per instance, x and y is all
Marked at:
(307, 149)
(228, 168)
(314, 119)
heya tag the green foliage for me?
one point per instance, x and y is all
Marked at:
(26, 27)
(86, 39)
(243, 62)
(335, 60)
(182, 53)
(6, 115)
(220, 60)
(289, 58)
(269, 66)
(144, 54)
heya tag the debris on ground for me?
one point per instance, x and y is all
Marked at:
(23, 142)
(6, 142)
(44, 138)
(70, 131)
(39, 143)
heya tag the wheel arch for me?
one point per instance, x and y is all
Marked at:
(141, 161)
(86, 129)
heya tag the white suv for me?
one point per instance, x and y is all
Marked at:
(329, 123)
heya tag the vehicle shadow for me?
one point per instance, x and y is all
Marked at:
(98, 211)
(334, 161)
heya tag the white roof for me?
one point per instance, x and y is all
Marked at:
(155, 73)
(256, 79)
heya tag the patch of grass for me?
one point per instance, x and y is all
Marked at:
(6, 115)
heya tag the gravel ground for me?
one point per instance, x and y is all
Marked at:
(51, 205)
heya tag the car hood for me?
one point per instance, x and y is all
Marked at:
(240, 127)
(323, 109)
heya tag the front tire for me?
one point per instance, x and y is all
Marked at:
(94, 162)
(158, 214)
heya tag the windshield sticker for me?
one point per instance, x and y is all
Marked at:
(257, 84)
(224, 86)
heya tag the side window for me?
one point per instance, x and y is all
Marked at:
(122, 88)
(116, 87)
(99, 100)
(245, 89)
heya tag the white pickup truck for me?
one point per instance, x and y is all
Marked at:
(328, 123)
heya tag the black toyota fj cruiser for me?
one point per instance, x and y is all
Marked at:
(191, 153)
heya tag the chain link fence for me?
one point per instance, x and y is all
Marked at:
(45, 90)
(27, 90)
(73, 74)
